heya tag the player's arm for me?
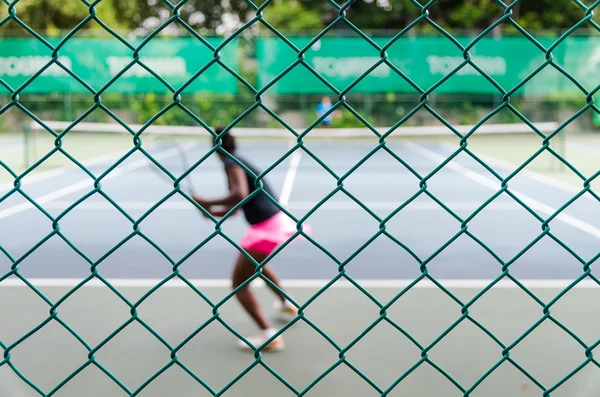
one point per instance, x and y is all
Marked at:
(238, 190)
(220, 213)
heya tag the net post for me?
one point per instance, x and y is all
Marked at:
(562, 139)
(563, 149)
(26, 144)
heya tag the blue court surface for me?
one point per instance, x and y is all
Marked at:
(342, 227)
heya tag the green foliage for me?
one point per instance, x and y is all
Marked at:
(212, 109)
(50, 17)
(146, 107)
(219, 109)
(469, 16)
(506, 116)
(205, 16)
(549, 14)
(345, 119)
(467, 113)
(291, 16)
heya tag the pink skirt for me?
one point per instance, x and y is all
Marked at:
(266, 236)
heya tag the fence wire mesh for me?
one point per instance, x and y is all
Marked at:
(587, 357)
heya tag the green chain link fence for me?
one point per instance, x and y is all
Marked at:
(137, 136)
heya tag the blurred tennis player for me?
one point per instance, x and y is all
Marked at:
(269, 228)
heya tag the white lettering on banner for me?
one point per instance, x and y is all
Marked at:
(446, 64)
(29, 65)
(166, 67)
(349, 67)
(588, 70)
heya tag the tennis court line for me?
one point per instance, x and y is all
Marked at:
(533, 175)
(63, 170)
(8, 145)
(87, 183)
(299, 205)
(302, 283)
(592, 148)
(290, 179)
(495, 186)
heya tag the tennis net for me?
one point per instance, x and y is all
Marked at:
(283, 133)
(509, 142)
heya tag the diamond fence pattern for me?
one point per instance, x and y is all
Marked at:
(137, 138)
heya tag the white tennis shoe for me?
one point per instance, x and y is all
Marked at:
(276, 345)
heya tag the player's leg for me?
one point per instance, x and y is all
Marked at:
(245, 272)
(269, 273)
(284, 306)
(244, 269)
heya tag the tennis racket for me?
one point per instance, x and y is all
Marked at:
(182, 160)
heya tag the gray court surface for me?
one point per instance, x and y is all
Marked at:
(342, 227)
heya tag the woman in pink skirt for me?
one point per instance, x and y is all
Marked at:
(269, 228)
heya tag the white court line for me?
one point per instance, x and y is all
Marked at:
(87, 183)
(335, 206)
(533, 175)
(303, 283)
(495, 186)
(581, 146)
(290, 178)
(33, 178)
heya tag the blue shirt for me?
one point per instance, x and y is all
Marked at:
(322, 108)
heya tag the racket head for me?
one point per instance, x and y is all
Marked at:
(178, 163)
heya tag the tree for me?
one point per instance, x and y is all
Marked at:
(49, 17)
(222, 16)
(290, 16)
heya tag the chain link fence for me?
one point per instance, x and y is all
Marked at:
(340, 102)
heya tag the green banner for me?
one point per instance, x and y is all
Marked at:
(426, 61)
(96, 61)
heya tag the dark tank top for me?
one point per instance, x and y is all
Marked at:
(259, 208)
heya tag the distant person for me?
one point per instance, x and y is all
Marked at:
(322, 108)
(269, 228)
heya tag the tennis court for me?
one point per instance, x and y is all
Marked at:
(447, 339)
